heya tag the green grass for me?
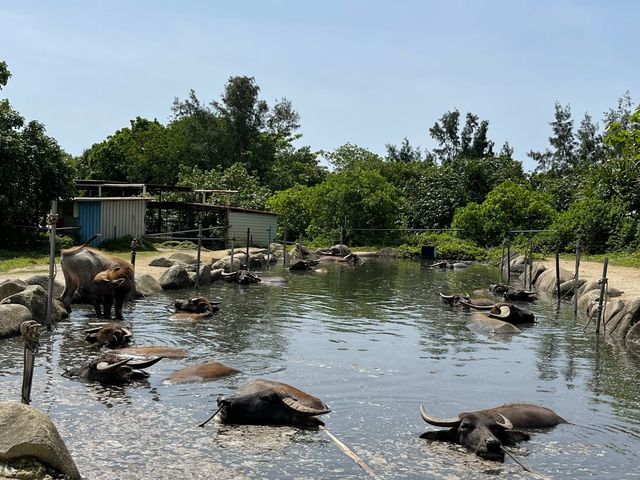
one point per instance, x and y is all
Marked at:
(10, 259)
(622, 259)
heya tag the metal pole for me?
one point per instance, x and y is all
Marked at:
(232, 268)
(508, 262)
(504, 246)
(198, 255)
(268, 246)
(134, 250)
(52, 220)
(575, 280)
(284, 242)
(558, 271)
(530, 264)
(30, 331)
(247, 258)
(603, 289)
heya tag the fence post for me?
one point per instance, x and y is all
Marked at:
(530, 265)
(247, 258)
(134, 250)
(284, 241)
(269, 247)
(575, 282)
(198, 255)
(30, 331)
(52, 220)
(232, 267)
(508, 262)
(558, 271)
(504, 247)
(603, 289)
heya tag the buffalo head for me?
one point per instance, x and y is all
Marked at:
(511, 314)
(265, 402)
(486, 431)
(112, 335)
(111, 369)
(196, 305)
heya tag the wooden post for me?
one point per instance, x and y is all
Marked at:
(134, 250)
(247, 258)
(284, 242)
(558, 271)
(269, 246)
(52, 220)
(30, 331)
(509, 262)
(530, 264)
(198, 255)
(232, 267)
(603, 289)
(504, 247)
(575, 280)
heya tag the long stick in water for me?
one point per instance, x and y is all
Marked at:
(524, 467)
(351, 454)
(210, 418)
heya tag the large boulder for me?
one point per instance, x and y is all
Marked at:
(204, 277)
(627, 318)
(611, 309)
(34, 297)
(163, 262)
(11, 287)
(546, 281)
(536, 269)
(28, 432)
(225, 263)
(11, 316)
(585, 302)
(340, 249)
(567, 287)
(146, 285)
(182, 257)
(43, 281)
(175, 278)
(276, 247)
(216, 274)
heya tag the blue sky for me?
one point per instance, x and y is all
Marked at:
(365, 72)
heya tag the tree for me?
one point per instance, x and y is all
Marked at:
(590, 149)
(562, 158)
(350, 156)
(472, 142)
(406, 153)
(293, 207)
(34, 171)
(293, 167)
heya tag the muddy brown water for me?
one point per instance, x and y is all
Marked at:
(374, 343)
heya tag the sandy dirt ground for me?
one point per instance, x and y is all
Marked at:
(626, 279)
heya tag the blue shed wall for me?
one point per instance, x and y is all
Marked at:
(89, 219)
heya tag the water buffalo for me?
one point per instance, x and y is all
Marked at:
(513, 294)
(511, 314)
(201, 373)
(302, 265)
(265, 402)
(243, 277)
(195, 308)
(112, 335)
(112, 369)
(81, 266)
(154, 351)
(116, 283)
(486, 431)
(465, 301)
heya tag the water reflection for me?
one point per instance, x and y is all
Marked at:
(374, 342)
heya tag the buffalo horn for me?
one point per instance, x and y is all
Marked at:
(446, 297)
(505, 311)
(127, 333)
(506, 423)
(95, 329)
(438, 422)
(146, 363)
(476, 307)
(107, 367)
(303, 408)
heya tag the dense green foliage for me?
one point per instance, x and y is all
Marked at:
(586, 186)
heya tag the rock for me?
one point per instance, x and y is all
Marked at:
(626, 319)
(225, 263)
(146, 285)
(611, 309)
(204, 277)
(301, 252)
(175, 277)
(614, 292)
(340, 249)
(585, 301)
(59, 312)
(11, 316)
(182, 257)
(162, 262)
(546, 281)
(216, 274)
(536, 269)
(34, 297)
(28, 432)
(276, 247)
(43, 281)
(11, 287)
(587, 287)
(633, 335)
(567, 287)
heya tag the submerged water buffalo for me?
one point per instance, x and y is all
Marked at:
(265, 402)
(486, 431)
(513, 294)
(302, 265)
(201, 373)
(99, 277)
(511, 314)
(194, 308)
(465, 301)
(243, 277)
(112, 335)
(112, 369)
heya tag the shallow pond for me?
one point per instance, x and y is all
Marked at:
(374, 343)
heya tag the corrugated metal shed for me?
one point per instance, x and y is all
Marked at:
(259, 223)
(113, 217)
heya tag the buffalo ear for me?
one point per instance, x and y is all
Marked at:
(514, 436)
(438, 435)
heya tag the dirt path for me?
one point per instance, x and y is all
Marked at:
(626, 279)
